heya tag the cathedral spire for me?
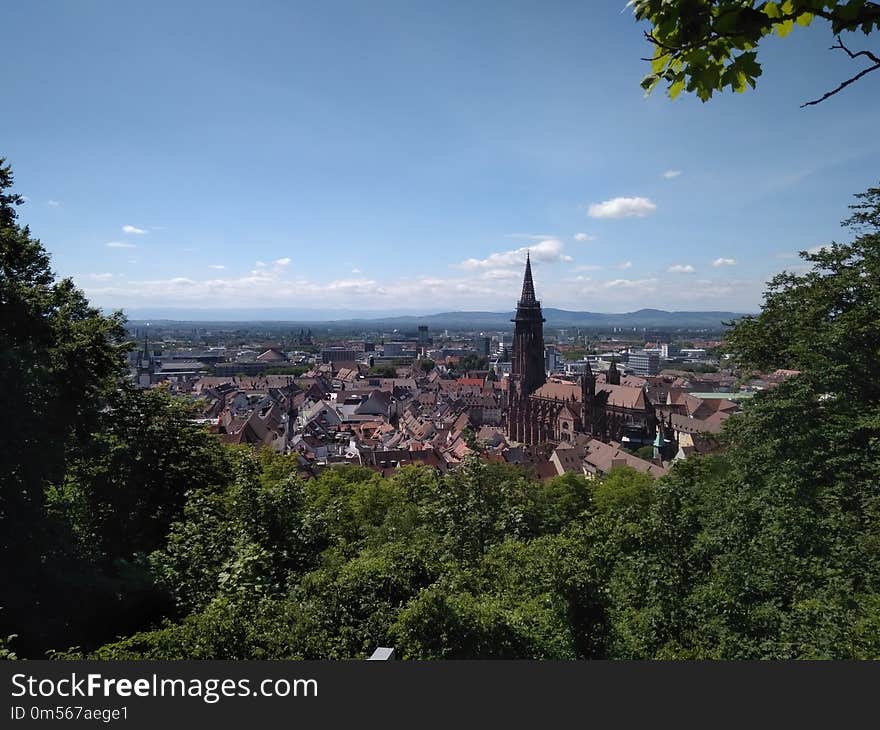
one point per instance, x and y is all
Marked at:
(528, 289)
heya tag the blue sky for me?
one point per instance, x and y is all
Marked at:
(404, 155)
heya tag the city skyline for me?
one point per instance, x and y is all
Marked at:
(342, 160)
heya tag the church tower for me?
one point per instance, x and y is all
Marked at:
(612, 377)
(527, 372)
(528, 337)
(145, 365)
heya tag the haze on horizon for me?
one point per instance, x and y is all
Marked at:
(396, 158)
(331, 316)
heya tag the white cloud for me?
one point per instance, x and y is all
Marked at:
(622, 208)
(681, 269)
(356, 286)
(547, 251)
(643, 284)
(502, 274)
(119, 244)
(133, 229)
(356, 270)
(723, 262)
(100, 277)
(584, 237)
(282, 262)
(670, 174)
(53, 203)
(588, 267)
(260, 264)
(624, 265)
(481, 289)
(274, 287)
(216, 266)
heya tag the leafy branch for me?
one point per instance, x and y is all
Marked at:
(706, 46)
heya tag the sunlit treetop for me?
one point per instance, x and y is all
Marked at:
(704, 46)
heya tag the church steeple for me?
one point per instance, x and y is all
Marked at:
(528, 299)
(612, 377)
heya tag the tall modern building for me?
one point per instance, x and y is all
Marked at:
(552, 359)
(644, 363)
(481, 345)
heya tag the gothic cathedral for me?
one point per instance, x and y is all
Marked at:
(541, 411)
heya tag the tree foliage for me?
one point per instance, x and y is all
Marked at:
(705, 46)
(58, 358)
(426, 365)
(384, 371)
(770, 549)
(824, 321)
(128, 482)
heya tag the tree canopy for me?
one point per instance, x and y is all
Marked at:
(705, 46)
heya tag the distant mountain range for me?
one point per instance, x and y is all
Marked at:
(556, 318)
(563, 318)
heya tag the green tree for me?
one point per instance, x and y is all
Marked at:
(471, 362)
(6, 652)
(470, 438)
(273, 568)
(384, 371)
(426, 365)
(704, 46)
(252, 537)
(444, 624)
(645, 452)
(769, 550)
(698, 367)
(294, 370)
(129, 481)
(59, 358)
(824, 321)
(479, 505)
(533, 599)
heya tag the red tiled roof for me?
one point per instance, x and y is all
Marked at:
(604, 457)
(622, 396)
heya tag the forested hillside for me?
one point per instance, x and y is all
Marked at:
(126, 531)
